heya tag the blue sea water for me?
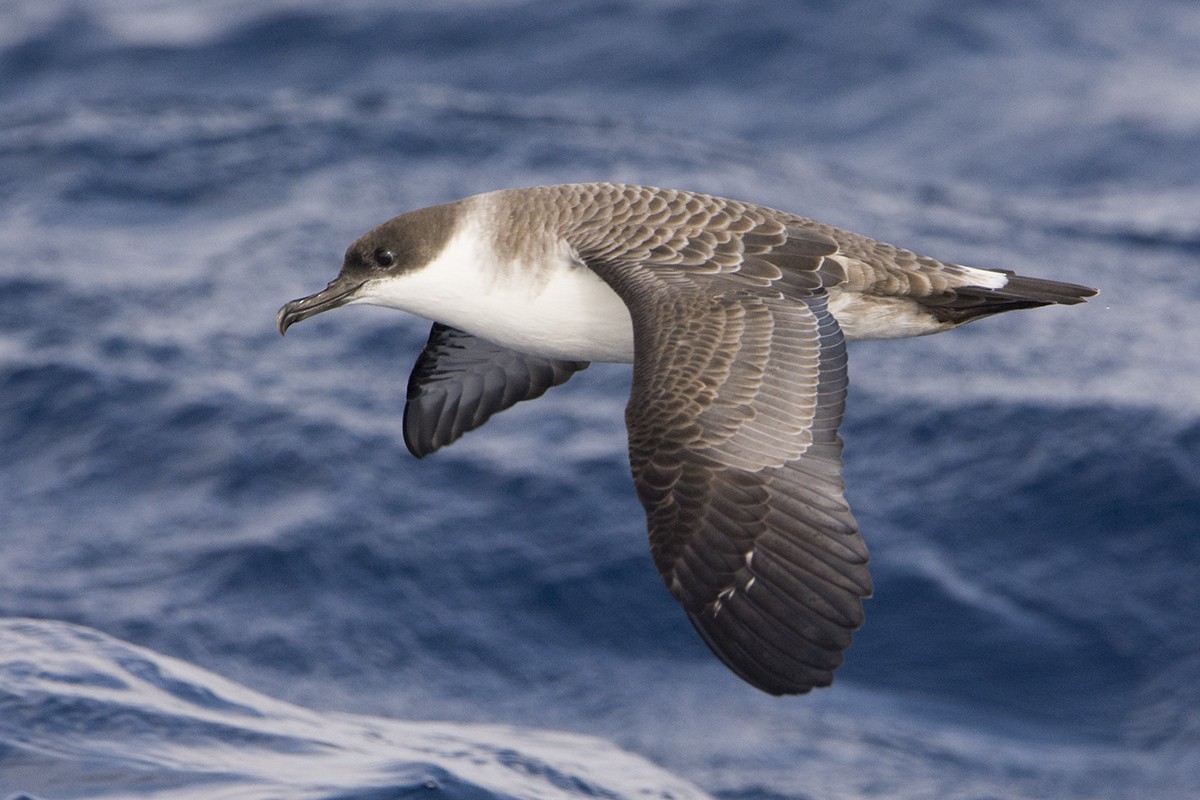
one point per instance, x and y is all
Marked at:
(221, 575)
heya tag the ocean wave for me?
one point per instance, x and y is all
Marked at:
(177, 475)
(126, 721)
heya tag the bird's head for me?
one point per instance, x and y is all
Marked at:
(384, 254)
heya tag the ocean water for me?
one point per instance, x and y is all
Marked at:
(221, 574)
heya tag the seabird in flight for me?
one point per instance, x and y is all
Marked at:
(735, 318)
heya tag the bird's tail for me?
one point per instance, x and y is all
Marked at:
(972, 302)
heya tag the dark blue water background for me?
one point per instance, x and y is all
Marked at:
(184, 494)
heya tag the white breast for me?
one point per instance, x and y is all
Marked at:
(547, 305)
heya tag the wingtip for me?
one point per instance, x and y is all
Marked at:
(418, 448)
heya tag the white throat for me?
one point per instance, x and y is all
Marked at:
(545, 303)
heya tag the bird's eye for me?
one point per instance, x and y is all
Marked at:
(384, 257)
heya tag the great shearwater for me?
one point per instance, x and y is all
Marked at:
(735, 318)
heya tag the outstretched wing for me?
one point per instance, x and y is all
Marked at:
(460, 380)
(738, 391)
(736, 457)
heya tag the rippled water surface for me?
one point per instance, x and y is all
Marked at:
(223, 576)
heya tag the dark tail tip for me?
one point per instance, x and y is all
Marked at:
(1045, 292)
(972, 302)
